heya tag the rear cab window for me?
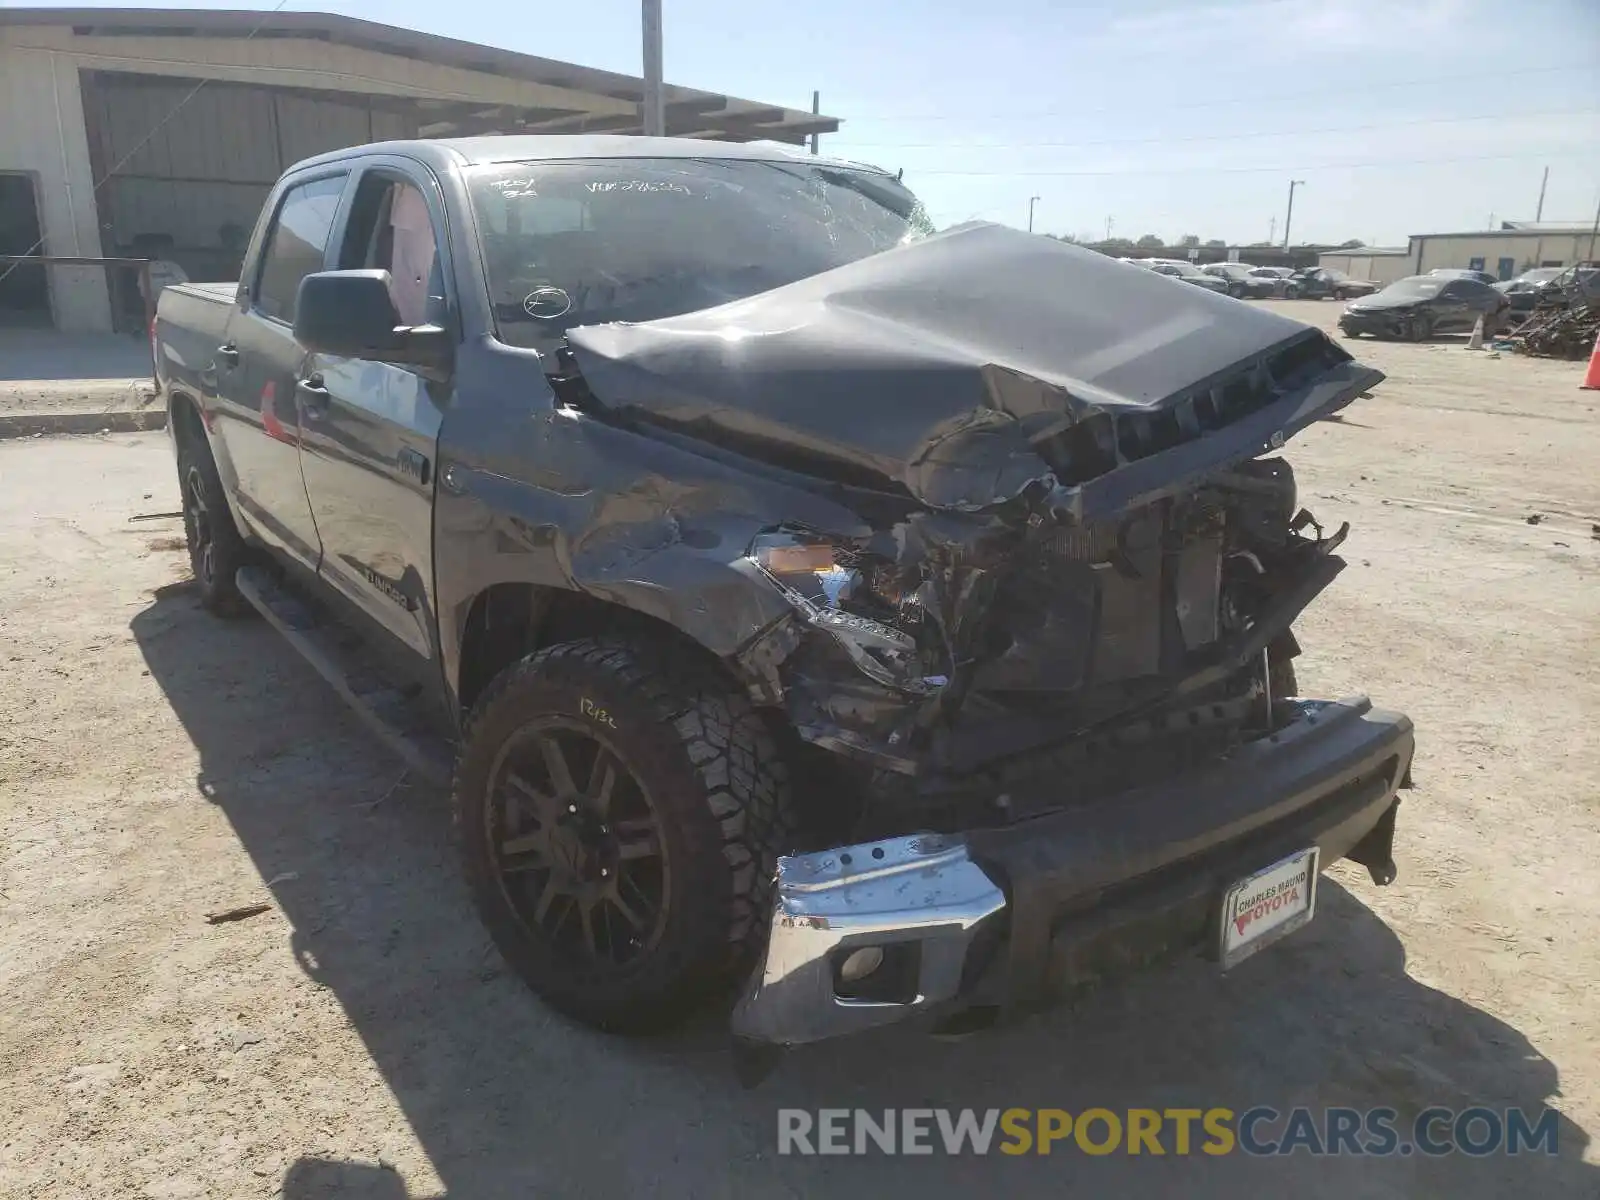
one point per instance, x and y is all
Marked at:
(296, 244)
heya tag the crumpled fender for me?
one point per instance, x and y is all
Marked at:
(569, 503)
(683, 574)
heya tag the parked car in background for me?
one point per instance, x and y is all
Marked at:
(1283, 279)
(1577, 283)
(1241, 282)
(1524, 290)
(1466, 273)
(1319, 283)
(1420, 306)
(1187, 272)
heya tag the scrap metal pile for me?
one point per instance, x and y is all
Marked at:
(1558, 332)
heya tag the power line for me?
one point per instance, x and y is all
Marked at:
(1218, 137)
(1266, 98)
(1329, 166)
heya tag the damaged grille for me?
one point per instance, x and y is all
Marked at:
(1101, 443)
(1082, 543)
(1109, 601)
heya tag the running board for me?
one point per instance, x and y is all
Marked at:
(383, 709)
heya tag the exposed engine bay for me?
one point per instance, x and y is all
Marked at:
(960, 640)
(1073, 555)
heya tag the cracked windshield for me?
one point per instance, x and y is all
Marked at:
(581, 243)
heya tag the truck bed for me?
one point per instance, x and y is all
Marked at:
(191, 321)
(222, 293)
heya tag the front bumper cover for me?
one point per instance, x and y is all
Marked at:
(1013, 919)
(1380, 321)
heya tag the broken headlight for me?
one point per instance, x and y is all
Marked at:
(829, 585)
(812, 568)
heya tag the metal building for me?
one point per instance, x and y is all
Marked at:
(156, 133)
(1504, 252)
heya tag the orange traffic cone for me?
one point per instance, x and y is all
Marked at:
(1475, 342)
(1591, 377)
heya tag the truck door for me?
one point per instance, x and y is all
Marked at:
(259, 363)
(370, 429)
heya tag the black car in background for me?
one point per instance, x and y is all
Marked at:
(1420, 306)
(1524, 291)
(1577, 284)
(1466, 273)
(1319, 283)
(1242, 281)
(1187, 272)
(1282, 279)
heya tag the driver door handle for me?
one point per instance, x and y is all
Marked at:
(313, 394)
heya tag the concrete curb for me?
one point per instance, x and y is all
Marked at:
(50, 424)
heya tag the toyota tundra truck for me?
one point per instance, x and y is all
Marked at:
(809, 610)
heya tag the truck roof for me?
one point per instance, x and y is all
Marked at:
(472, 151)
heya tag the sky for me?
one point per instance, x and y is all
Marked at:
(1152, 116)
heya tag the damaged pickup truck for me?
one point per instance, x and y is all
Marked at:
(812, 609)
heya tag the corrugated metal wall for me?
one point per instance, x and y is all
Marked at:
(212, 159)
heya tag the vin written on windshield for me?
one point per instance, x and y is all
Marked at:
(589, 242)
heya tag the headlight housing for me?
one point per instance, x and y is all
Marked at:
(850, 596)
(808, 566)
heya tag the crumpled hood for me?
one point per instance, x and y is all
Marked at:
(953, 366)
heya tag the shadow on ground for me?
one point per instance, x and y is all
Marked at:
(508, 1100)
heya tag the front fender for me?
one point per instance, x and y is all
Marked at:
(549, 497)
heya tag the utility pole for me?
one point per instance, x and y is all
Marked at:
(655, 117)
(1288, 217)
(816, 108)
(1595, 229)
(1109, 224)
(1272, 230)
(1538, 213)
(1032, 200)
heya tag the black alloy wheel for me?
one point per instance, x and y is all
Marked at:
(620, 806)
(216, 551)
(198, 529)
(580, 857)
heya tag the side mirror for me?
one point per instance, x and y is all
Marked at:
(351, 314)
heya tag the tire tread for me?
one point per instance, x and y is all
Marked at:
(743, 782)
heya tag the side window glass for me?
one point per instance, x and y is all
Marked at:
(413, 255)
(392, 230)
(296, 244)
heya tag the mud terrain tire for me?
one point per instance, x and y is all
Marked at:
(216, 551)
(697, 780)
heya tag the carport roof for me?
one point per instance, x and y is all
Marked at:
(1515, 229)
(688, 110)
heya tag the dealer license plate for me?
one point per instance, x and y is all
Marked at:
(1263, 907)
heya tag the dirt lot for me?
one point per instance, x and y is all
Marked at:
(360, 1038)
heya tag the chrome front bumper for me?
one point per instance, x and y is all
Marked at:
(868, 935)
(918, 903)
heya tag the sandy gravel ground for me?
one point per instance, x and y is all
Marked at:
(360, 1038)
